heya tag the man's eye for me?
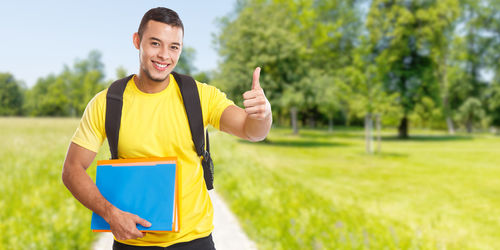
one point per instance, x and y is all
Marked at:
(155, 44)
(174, 47)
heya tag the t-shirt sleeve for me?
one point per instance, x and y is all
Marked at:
(91, 133)
(214, 102)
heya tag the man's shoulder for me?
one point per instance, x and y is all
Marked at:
(99, 99)
(101, 96)
(205, 87)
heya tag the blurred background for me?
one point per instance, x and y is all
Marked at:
(386, 116)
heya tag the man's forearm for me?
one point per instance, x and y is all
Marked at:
(257, 130)
(84, 190)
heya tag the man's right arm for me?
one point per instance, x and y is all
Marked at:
(79, 183)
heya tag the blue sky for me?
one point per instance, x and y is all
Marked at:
(40, 37)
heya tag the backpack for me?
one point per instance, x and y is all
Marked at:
(191, 99)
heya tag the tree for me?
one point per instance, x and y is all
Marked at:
(328, 95)
(249, 41)
(366, 96)
(470, 113)
(11, 95)
(203, 76)
(121, 72)
(442, 17)
(83, 81)
(295, 41)
(48, 97)
(398, 30)
(480, 46)
(185, 65)
(68, 93)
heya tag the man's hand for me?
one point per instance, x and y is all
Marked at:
(123, 225)
(254, 122)
(256, 104)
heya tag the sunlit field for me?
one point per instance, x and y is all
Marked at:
(318, 190)
(321, 190)
(36, 210)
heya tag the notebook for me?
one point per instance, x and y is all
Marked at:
(146, 187)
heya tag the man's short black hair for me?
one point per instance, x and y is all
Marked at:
(160, 14)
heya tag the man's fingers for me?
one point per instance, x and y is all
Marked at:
(255, 110)
(252, 94)
(254, 102)
(142, 222)
(258, 116)
(255, 81)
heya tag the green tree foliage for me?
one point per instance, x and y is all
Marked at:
(477, 49)
(68, 93)
(471, 112)
(11, 95)
(203, 76)
(185, 64)
(425, 62)
(121, 72)
(48, 97)
(403, 32)
(250, 41)
(295, 41)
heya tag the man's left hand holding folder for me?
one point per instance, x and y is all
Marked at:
(123, 224)
(74, 176)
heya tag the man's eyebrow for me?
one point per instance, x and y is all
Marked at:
(157, 39)
(154, 38)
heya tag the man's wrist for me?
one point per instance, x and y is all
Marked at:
(109, 211)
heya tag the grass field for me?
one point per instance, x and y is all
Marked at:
(314, 191)
(36, 210)
(321, 191)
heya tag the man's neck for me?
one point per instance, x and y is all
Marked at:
(149, 86)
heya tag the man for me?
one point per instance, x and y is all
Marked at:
(154, 124)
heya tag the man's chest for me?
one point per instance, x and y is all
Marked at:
(154, 129)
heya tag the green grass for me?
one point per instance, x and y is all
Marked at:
(36, 209)
(322, 191)
(313, 191)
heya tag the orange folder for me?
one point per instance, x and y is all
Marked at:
(148, 187)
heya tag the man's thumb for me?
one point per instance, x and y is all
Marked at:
(255, 81)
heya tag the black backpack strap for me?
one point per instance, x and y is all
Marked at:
(191, 99)
(114, 104)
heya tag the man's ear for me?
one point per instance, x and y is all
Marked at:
(136, 40)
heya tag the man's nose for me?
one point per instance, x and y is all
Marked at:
(164, 54)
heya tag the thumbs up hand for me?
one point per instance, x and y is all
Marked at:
(256, 104)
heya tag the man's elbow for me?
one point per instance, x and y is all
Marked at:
(256, 138)
(65, 175)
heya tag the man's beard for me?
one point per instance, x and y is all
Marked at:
(148, 74)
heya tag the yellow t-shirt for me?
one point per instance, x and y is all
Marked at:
(156, 125)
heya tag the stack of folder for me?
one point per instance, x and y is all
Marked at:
(148, 188)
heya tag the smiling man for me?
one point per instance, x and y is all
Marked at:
(154, 124)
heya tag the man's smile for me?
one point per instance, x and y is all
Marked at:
(160, 66)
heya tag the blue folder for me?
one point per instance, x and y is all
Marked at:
(146, 190)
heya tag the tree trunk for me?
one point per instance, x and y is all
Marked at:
(449, 123)
(330, 124)
(443, 75)
(379, 136)
(293, 113)
(346, 114)
(403, 128)
(468, 125)
(368, 133)
(311, 122)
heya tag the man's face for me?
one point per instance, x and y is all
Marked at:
(159, 49)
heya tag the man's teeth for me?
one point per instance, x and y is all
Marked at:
(161, 65)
